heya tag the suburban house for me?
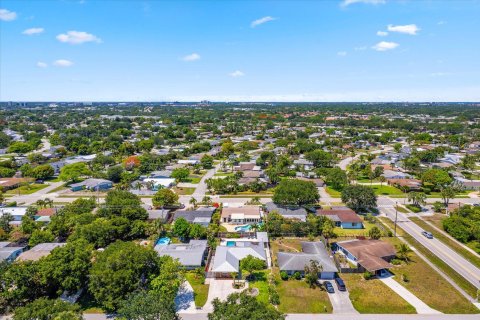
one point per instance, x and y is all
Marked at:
(159, 183)
(231, 251)
(9, 251)
(39, 251)
(190, 162)
(161, 174)
(412, 184)
(288, 212)
(304, 164)
(370, 255)
(12, 183)
(92, 184)
(318, 182)
(241, 215)
(191, 255)
(45, 214)
(292, 262)
(343, 217)
(390, 174)
(154, 214)
(16, 212)
(201, 216)
(468, 184)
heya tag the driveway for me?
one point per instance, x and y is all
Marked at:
(341, 302)
(220, 289)
(185, 299)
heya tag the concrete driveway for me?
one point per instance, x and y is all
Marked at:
(341, 302)
(185, 299)
(220, 289)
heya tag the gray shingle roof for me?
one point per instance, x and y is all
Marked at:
(296, 261)
(188, 254)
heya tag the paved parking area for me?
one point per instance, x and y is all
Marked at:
(340, 301)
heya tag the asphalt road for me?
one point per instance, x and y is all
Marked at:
(465, 268)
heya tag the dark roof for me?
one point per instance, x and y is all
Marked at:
(286, 210)
(369, 253)
(190, 215)
(296, 261)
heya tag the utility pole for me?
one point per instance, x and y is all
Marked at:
(395, 225)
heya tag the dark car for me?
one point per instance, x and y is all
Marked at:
(340, 284)
(427, 234)
(329, 287)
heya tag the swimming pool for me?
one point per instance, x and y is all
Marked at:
(163, 241)
(230, 243)
(244, 228)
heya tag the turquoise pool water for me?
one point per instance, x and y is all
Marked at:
(163, 241)
(244, 228)
(230, 243)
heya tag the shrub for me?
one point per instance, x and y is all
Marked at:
(273, 296)
(396, 262)
(405, 278)
(367, 275)
(413, 208)
(284, 275)
(297, 275)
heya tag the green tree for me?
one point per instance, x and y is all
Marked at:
(207, 161)
(43, 171)
(337, 178)
(47, 309)
(181, 228)
(320, 158)
(311, 273)
(169, 279)
(251, 263)
(197, 231)
(403, 252)
(417, 198)
(359, 197)
(120, 270)
(295, 192)
(436, 177)
(40, 236)
(180, 174)
(20, 147)
(375, 233)
(145, 305)
(114, 173)
(164, 197)
(71, 172)
(243, 306)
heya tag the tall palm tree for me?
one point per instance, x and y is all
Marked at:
(48, 202)
(138, 185)
(40, 203)
(193, 202)
(403, 251)
(207, 200)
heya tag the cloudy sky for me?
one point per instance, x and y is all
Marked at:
(338, 50)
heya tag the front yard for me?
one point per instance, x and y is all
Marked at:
(200, 289)
(28, 189)
(373, 296)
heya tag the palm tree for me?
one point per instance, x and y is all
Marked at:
(403, 251)
(138, 185)
(48, 202)
(382, 180)
(207, 200)
(150, 185)
(40, 203)
(193, 202)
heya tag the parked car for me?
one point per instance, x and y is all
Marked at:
(329, 287)
(427, 234)
(340, 284)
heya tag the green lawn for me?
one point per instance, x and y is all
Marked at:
(379, 190)
(373, 296)
(422, 278)
(332, 192)
(457, 247)
(31, 188)
(354, 232)
(183, 191)
(193, 178)
(223, 174)
(200, 289)
(261, 284)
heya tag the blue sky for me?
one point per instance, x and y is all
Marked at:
(345, 50)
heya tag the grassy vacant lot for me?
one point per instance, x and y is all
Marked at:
(436, 219)
(457, 247)
(429, 286)
(354, 232)
(372, 296)
(200, 289)
(183, 191)
(31, 188)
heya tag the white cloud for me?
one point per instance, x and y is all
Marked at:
(77, 37)
(62, 63)
(191, 57)
(411, 29)
(346, 3)
(260, 21)
(7, 15)
(342, 53)
(41, 64)
(382, 33)
(385, 45)
(33, 31)
(441, 22)
(236, 74)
